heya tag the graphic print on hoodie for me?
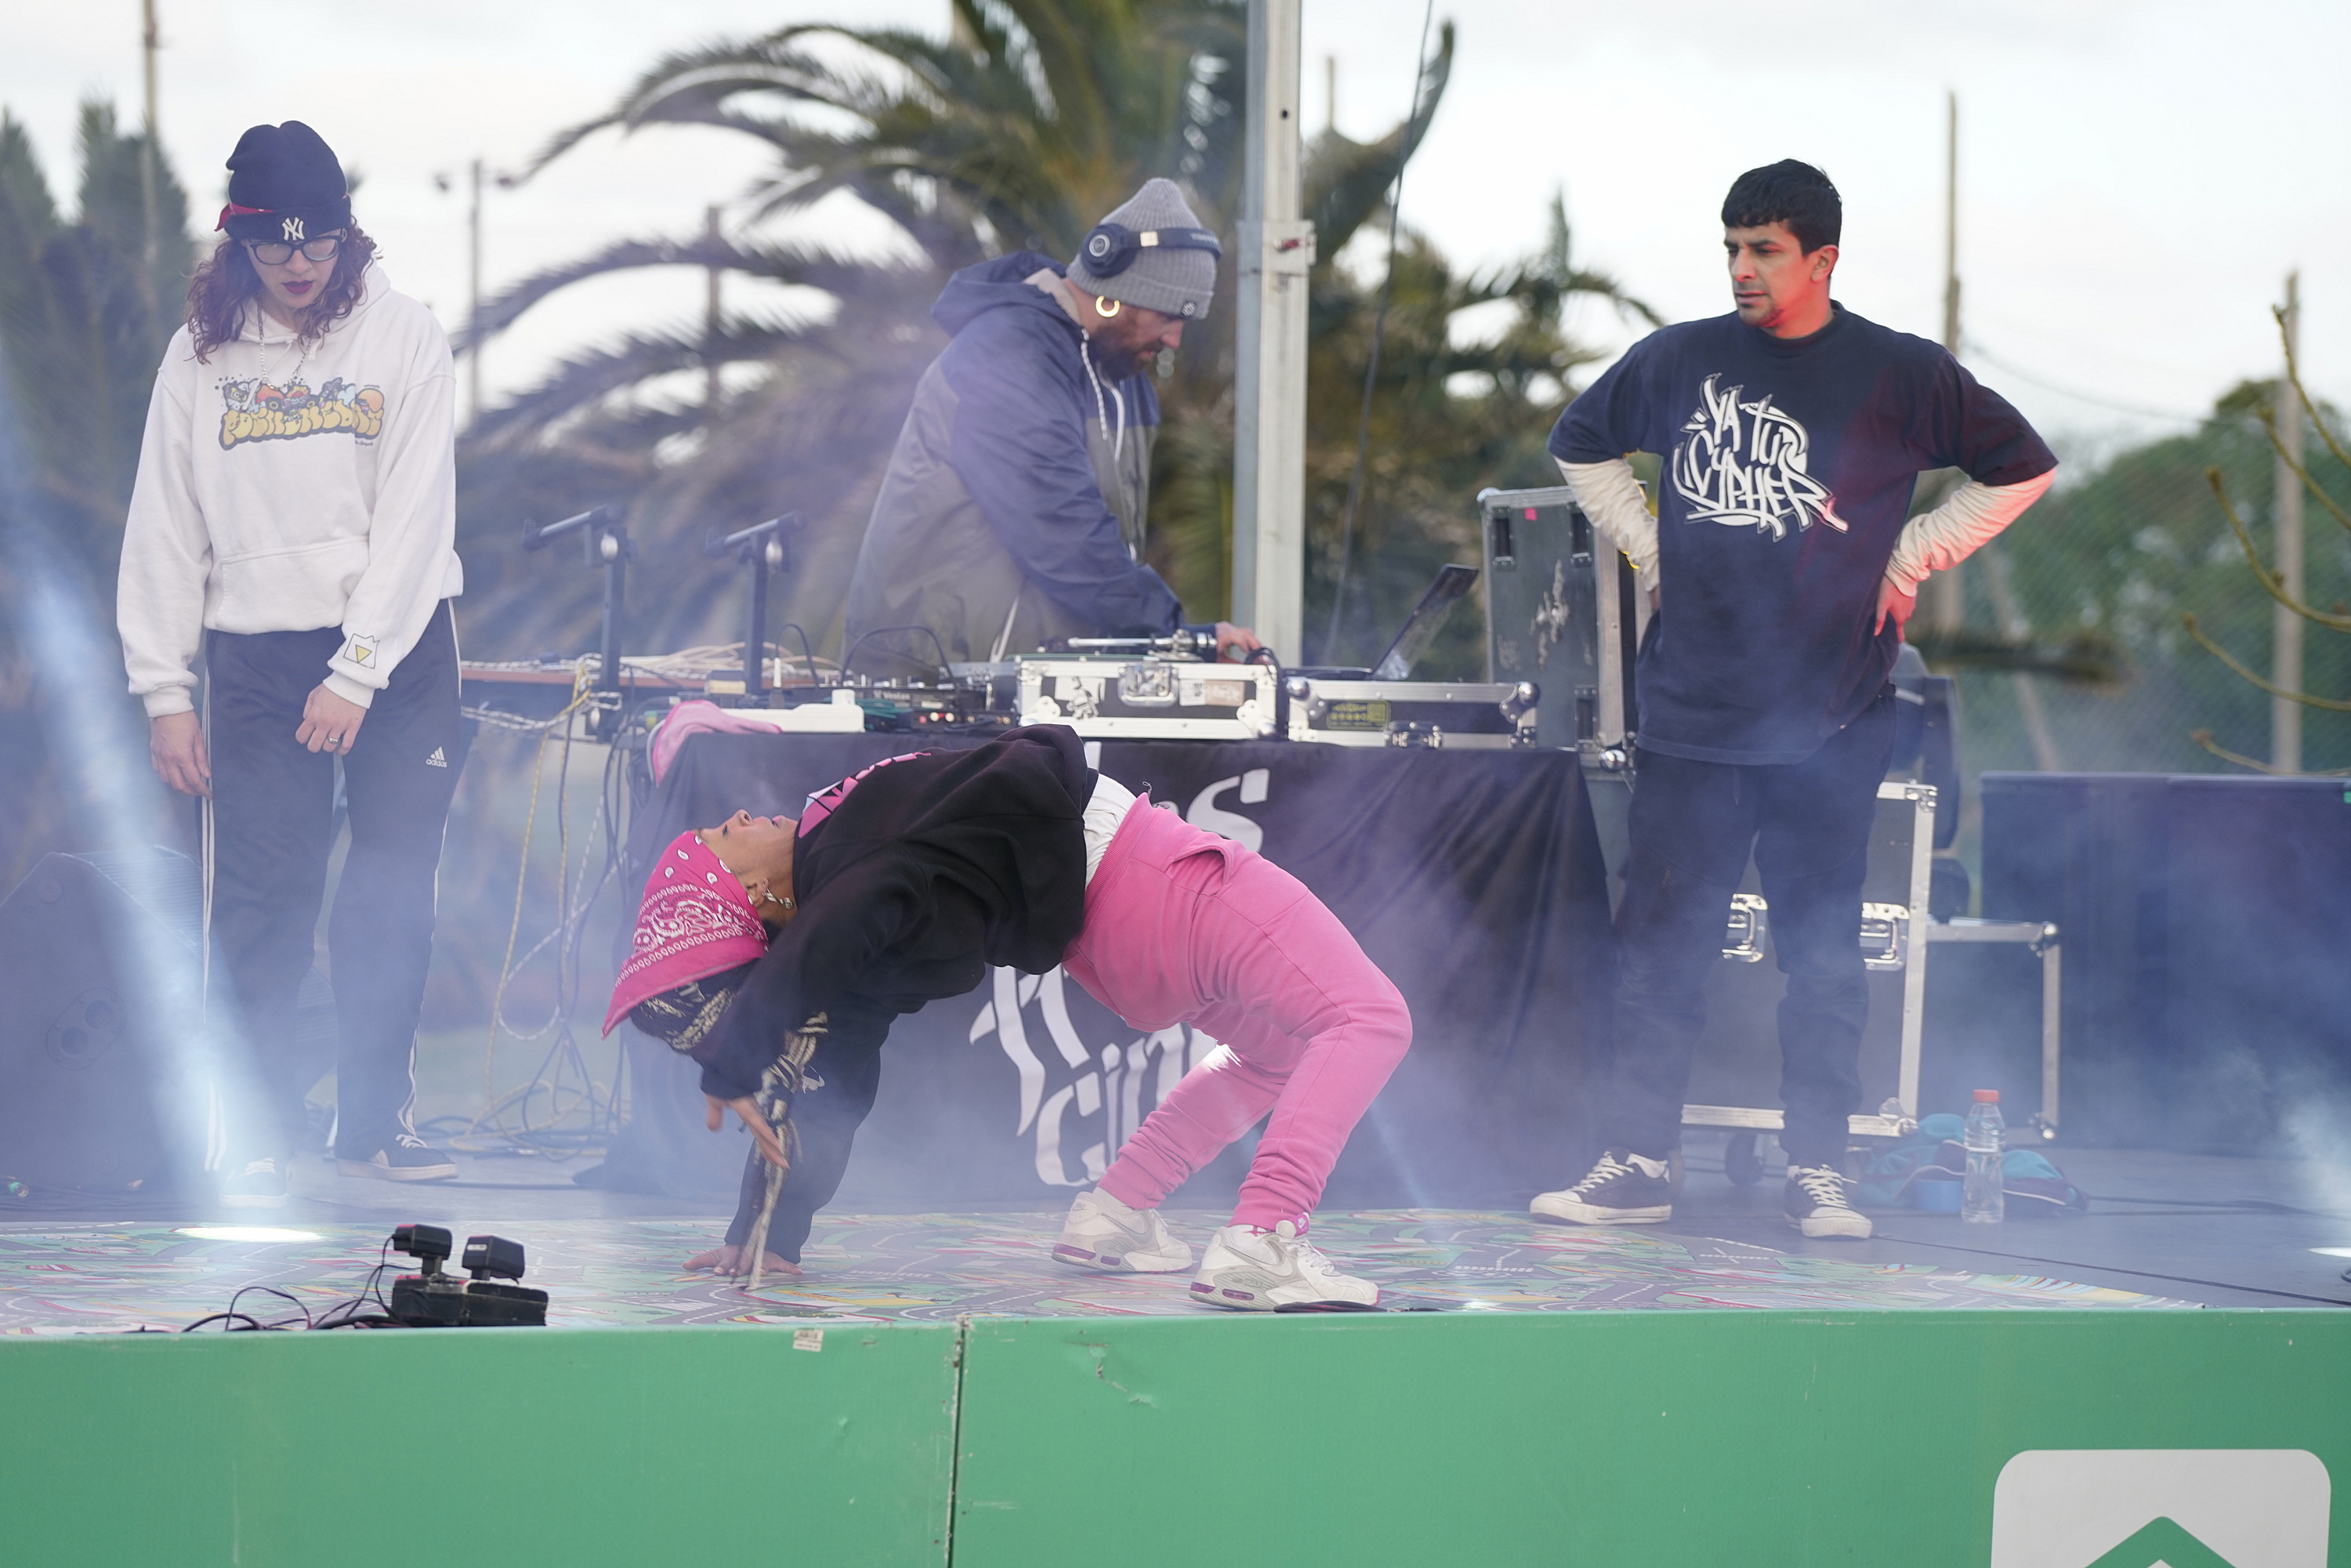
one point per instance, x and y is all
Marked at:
(1787, 472)
(254, 410)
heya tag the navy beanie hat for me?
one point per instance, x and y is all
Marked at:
(285, 184)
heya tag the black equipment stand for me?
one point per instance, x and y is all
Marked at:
(604, 538)
(764, 548)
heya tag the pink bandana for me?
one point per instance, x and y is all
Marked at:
(696, 921)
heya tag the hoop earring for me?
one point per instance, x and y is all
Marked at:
(1106, 309)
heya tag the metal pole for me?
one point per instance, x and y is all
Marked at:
(2053, 1024)
(1946, 608)
(755, 640)
(1277, 249)
(150, 43)
(1951, 222)
(2286, 626)
(474, 306)
(2016, 628)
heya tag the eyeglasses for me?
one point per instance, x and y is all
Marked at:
(274, 253)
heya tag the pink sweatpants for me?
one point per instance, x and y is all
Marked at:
(1182, 926)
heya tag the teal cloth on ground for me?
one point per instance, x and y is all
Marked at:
(1938, 1151)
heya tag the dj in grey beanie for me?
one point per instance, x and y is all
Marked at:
(1178, 283)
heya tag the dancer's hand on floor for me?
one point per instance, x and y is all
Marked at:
(771, 1146)
(729, 1261)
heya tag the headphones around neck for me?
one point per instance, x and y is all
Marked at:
(1112, 248)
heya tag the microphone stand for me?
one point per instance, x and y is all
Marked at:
(763, 547)
(605, 546)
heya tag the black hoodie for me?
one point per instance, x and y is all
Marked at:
(928, 873)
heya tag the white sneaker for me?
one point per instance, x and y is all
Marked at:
(1104, 1233)
(1257, 1271)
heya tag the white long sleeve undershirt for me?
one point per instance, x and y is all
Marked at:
(1932, 541)
(1612, 498)
(1970, 518)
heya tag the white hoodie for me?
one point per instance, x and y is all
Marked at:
(323, 493)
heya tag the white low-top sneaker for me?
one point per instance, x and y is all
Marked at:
(1257, 1271)
(1104, 1233)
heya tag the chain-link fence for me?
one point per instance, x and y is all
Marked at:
(2094, 586)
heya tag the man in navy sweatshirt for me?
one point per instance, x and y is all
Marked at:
(1014, 504)
(1783, 565)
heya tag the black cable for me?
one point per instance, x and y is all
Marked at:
(373, 1288)
(1379, 333)
(807, 650)
(563, 1059)
(846, 659)
(272, 1291)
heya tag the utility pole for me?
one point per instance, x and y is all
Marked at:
(2017, 629)
(1329, 93)
(710, 318)
(1951, 222)
(1277, 249)
(474, 301)
(2286, 626)
(151, 44)
(1946, 608)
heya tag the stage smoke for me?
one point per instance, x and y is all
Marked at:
(91, 728)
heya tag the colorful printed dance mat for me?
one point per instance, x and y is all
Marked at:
(103, 1278)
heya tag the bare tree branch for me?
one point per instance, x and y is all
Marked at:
(2273, 584)
(2203, 738)
(2330, 705)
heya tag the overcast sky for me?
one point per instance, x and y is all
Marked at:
(2137, 178)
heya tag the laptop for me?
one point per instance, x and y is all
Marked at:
(1418, 631)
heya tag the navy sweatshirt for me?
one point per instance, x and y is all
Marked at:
(1787, 477)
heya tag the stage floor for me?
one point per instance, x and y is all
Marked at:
(2165, 1230)
(932, 1267)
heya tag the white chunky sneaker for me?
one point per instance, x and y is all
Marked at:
(1257, 1271)
(1104, 1233)
(1816, 1204)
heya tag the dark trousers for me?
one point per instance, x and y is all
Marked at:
(273, 816)
(1693, 826)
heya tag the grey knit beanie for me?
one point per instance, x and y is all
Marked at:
(1174, 282)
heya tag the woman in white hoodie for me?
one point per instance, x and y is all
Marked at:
(293, 524)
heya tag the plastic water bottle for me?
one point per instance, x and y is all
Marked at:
(1983, 1202)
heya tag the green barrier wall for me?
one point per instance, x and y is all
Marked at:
(1645, 1440)
(1662, 1440)
(518, 1447)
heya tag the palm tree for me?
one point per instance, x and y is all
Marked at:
(1019, 130)
(1447, 419)
(87, 305)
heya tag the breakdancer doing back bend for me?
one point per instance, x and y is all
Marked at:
(776, 952)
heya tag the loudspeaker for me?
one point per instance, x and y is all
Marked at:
(92, 1031)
